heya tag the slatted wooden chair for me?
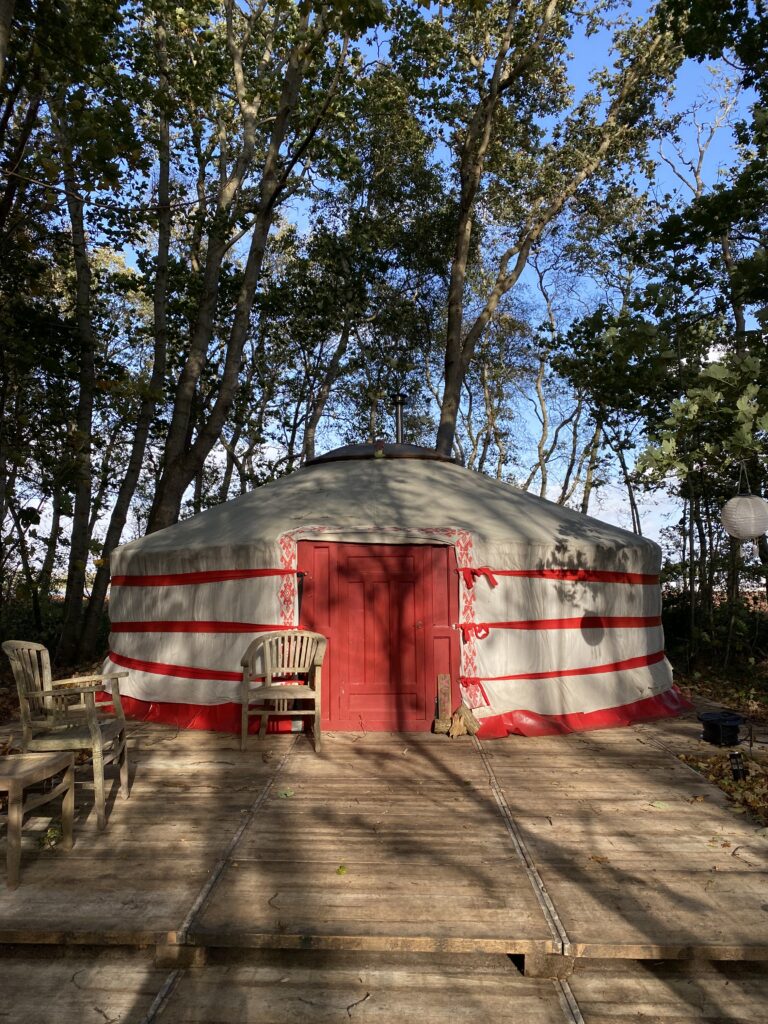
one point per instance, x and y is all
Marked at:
(278, 669)
(62, 714)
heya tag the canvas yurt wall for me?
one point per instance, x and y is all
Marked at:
(546, 620)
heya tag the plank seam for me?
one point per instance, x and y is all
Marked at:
(213, 879)
(568, 1002)
(161, 999)
(551, 916)
(660, 745)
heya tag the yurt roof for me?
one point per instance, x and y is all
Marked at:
(392, 497)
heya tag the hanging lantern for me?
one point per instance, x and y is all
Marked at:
(745, 516)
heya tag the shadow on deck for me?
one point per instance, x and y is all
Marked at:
(391, 854)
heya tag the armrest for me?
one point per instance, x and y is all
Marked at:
(83, 680)
(79, 689)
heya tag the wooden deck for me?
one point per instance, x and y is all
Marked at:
(407, 867)
(641, 856)
(384, 842)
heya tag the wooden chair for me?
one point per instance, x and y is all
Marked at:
(62, 714)
(286, 655)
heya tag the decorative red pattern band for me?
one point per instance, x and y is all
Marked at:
(573, 575)
(180, 626)
(482, 629)
(179, 671)
(591, 670)
(181, 579)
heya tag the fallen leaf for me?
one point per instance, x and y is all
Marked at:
(285, 794)
(341, 869)
(660, 805)
(52, 836)
(599, 860)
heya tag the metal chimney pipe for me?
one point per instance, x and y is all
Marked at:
(399, 402)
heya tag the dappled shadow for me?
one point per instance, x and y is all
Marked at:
(412, 818)
(419, 806)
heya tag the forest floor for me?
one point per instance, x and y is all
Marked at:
(743, 689)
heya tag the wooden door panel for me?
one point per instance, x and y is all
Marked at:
(388, 613)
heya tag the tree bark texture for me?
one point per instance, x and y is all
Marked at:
(461, 340)
(6, 17)
(154, 389)
(81, 437)
(184, 460)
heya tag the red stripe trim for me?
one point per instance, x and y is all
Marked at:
(218, 717)
(181, 579)
(178, 671)
(592, 670)
(530, 723)
(481, 629)
(581, 575)
(191, 626)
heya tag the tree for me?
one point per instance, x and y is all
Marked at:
(287, 68)
(489, 77)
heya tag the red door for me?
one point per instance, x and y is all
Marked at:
(387, 611)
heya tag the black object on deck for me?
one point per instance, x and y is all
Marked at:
(721, 727)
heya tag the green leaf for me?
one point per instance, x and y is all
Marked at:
(716, 371)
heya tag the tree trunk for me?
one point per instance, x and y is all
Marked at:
(762, 551)
(734, 572)
(155, 389)
(13, 184)
(589, 478)
(51, 546)
(460, 341)
(324, 391)
(619, 450)
(691, 569)
(26, 567)
(6, 17)
(182, 461)
(81, 439)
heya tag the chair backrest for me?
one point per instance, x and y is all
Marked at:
(290, 652)
(32, 671)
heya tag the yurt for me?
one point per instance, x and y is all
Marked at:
(546, 620)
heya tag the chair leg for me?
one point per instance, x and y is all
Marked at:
(263, 724)
(125, 783)
(68, 809)
(243, 725)
(316, 732)
(98, 786)
(15, 815)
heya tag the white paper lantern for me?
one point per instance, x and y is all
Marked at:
(745, 516)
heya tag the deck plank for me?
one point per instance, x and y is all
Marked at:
(134, 882)
(614, 992)
(396, 842)
(92, 989)
(379, 839)
(641, 856)
(327, 988)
